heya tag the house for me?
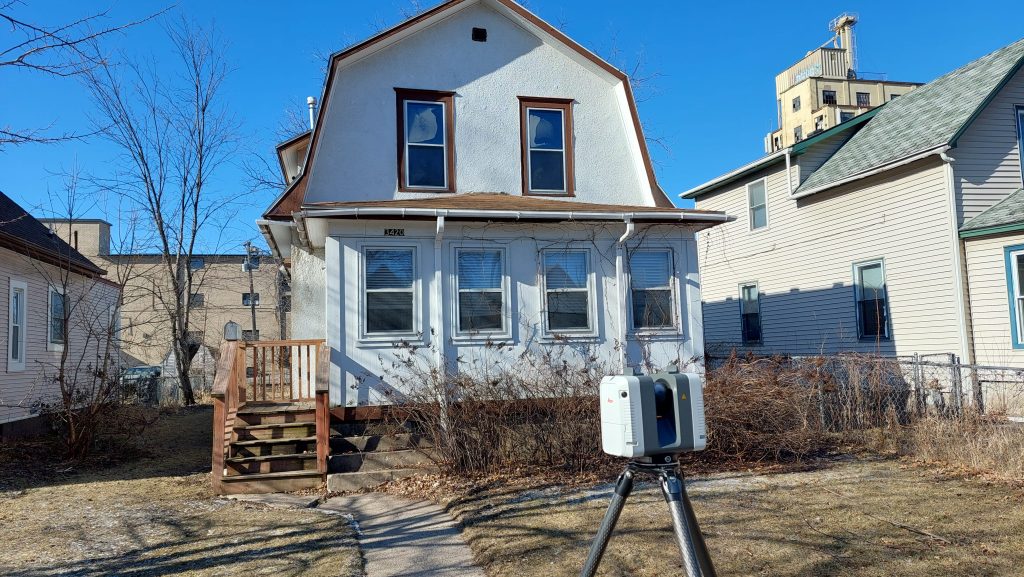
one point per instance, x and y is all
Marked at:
(58, 306)
(895, 232)
(222, 294)
(474, 176)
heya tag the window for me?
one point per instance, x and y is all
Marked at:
(567, 290)
(546, 135)
(650, 286)
(872, 300)
(798, 133)
(250, 299)
(481, 290)
(426, 159)
(57, 319)
(757, 203)
(819, 122)
(893, 96)
(250, 335)
(196, 263)
(844, 116)
(388, 281)
(750, 313)
(863, 99)
(197, 300)
(828, 97)
(1015, 288)
(1020, 136)
(16, 312)
(796, 103)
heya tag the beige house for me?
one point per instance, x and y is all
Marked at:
(58, 306)
(896, 232)
(824, 89)
(222, 294)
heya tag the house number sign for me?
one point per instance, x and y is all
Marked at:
(394, 232)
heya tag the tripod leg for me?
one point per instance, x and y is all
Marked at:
(696, 560)
(623, 487)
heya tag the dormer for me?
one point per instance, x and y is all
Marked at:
(291, 154)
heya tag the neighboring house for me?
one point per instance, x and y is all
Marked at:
(476, 177)
(222, 294)
(57, 306)
(895, 232)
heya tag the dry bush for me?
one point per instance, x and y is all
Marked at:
(988, 444)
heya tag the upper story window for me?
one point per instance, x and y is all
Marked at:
(819, 122)
(1020, 138)
(651, 277)
(798, 133)
(57, 319)
(250, 299)
(389, 280)
(480, 284)
(197, 300)
(872, 300)
(16, 312)
(567, 290)
(893, 96)
(863, 99)
(426, 155)
(547, 146)
(796, 103)
(196, 263)
(844, 116)
(828, 97)
(757, 203)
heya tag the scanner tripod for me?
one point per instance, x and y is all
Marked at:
(696, 560)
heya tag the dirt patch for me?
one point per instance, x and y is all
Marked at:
(858, 518)
(155, 515)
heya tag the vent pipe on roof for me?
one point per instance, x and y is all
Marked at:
(312, 106)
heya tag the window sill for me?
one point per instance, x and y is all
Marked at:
(391, 340)
(655, 334)
(554, 338)
(481, 338)
(54, 347)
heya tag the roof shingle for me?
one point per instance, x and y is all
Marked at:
(1008, 211)
(21, 232)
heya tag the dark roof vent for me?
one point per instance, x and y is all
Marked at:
(479, 35)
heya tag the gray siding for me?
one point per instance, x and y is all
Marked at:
(803, 264)
(816, 155)
(987, 166)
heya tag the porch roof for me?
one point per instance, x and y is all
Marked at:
(1007, 215)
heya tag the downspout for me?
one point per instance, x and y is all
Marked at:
(789, 177)
(962, 295)
(620, 289)
(437, 297)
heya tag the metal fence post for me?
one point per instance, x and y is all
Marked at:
(957, 384)
(979, 396)
(918, 386)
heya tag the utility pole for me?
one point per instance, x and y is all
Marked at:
(249, 248)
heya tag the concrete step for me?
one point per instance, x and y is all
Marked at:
(363, 444)
(270, 464)
(367, 462)
(264, 447)
(275, 431)
(341, 482)
(271, 482)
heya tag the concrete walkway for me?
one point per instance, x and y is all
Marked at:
(402, 537)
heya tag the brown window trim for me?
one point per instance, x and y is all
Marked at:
(565, 105)
(445, 97)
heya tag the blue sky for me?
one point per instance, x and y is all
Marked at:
(710, 99)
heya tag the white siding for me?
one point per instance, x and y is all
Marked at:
(803, 264)
(356, 151)
(990, 306)
(987, 166)
(90, 301)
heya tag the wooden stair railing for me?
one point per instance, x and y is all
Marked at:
(323, 409)
(227, 397)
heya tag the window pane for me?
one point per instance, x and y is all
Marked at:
(424, 123)
(758, 217)
(388, 311)
(650, 269)
(749, 299)
(546, 171)
(872, 284)
(480, 311)
(389, 269)
(16, 343)
(872, 316)
(751, 328)
(756, 193)
(56, 317)
(1020, 275)
(426, 166)
(565, 270)
(479, 269)
(567, 310)
(652, 308)
(545, 129)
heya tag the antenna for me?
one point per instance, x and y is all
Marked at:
(312, 106)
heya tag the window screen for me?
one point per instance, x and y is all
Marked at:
(650, 280)
(388, 282)
(480, 286)
(567, 288)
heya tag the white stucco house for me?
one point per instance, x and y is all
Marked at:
(896, 232)
(475, 176)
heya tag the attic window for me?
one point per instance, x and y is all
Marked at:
(479, 35)
(425, 153)
(547, 146)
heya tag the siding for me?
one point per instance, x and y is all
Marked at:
(20, 389)
(803, 264)
(987, 166)
(990, 309)
(816, 155)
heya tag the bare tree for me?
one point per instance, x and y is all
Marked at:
(174, 133)
(60, 50)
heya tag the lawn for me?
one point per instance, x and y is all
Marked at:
(155, 515)
(875, 517)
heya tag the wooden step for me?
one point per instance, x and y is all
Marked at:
(265, 447)
(369, 462)
(275, 431)
(271, 464)
(276, 413)
(363, 444)
(271, 482)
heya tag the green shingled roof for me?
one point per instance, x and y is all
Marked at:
(1004, 216)
(923, 119)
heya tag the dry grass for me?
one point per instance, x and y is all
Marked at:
(844, 520)
(989, 446)
(155, 515)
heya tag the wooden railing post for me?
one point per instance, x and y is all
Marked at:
(323, 413)
(224, 404)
